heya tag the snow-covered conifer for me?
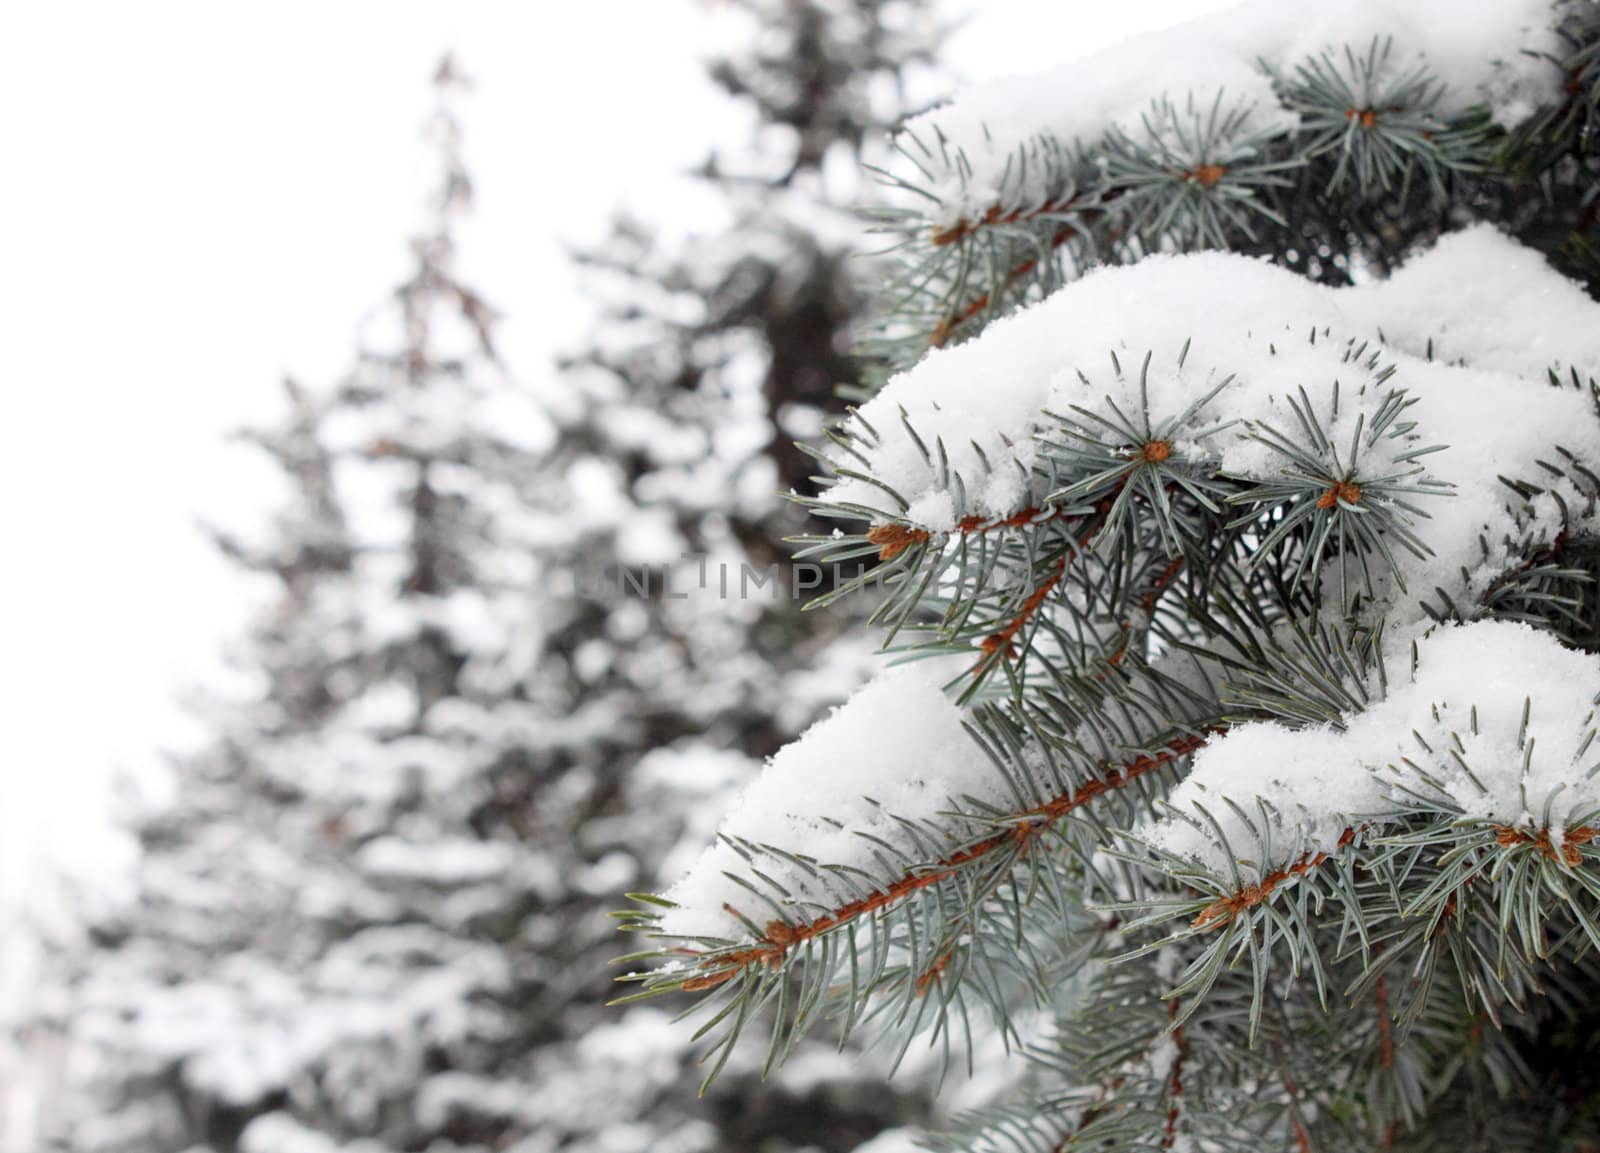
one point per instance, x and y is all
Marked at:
(373, 915)
(1244, 775)
(329, 936)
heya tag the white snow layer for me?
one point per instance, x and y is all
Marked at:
(894, 749)
(1498, 319)
(1482, 51)
(1457, 724)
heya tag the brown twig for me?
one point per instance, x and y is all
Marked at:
(1174, 1078)
(1225, 909)
(946, 327)
(781, 936)
(1147, 604)
(894, 539)
(1507, 837)
(1001, 641)
(961, 229)
(928, 976)
(1091, 1113)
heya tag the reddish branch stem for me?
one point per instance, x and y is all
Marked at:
(1507, 837)
(1163, 579)
(946, 327)
(1174, 1078)
(1089, 1116)
(963, 229)
(1001, 641)
(1147, 604)
(1225, 909)
(1346, 492)
(931, 974)
(781, 936)
(1385, 1039)
(1302, 1135)
(894, 539)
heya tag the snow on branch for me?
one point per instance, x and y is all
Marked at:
(1489, 53)
(1496, 725)
(1468, 337)
(1233, 369)
(896, 751)
(1194, 504)
(859, 792)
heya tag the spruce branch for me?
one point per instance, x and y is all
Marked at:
(780, 937)
(1379, 120)
(1195, 178)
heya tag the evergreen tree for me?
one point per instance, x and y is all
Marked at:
(710, 355)
(335, 936)
(373, 917)
(1244, 778)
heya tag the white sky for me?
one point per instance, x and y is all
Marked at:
(200, 197)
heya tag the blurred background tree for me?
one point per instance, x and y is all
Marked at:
(372, 914)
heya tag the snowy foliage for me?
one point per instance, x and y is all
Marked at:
(372, 916)
(1278, 357)
(1486, 52)
(1261, 587)
(816, 793)
(1333, 142)
(1250, 339)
